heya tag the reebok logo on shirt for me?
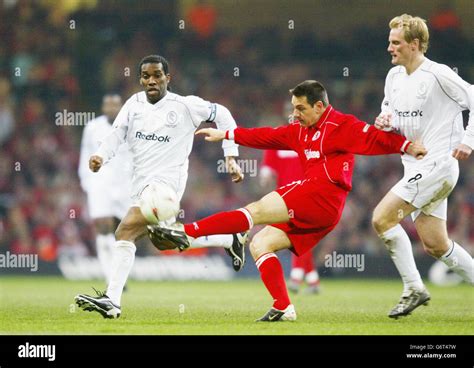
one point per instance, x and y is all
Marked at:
(407, 114)
(153, 137)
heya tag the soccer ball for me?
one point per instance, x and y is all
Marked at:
(159, 202)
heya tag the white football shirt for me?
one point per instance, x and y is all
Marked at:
(160, 136)
(427, 104)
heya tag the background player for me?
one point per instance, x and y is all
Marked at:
(301, 213)
(424, 100)
(108, 191)
(285, 166)
(159, 127)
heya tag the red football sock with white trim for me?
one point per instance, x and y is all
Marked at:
(230, 222)
(272, 276)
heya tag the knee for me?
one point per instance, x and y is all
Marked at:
(435, 248)
(258, 247)
(381, 223)
(255, 211)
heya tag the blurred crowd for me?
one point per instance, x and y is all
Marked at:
(55, 60)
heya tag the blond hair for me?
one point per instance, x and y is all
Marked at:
(413, 28)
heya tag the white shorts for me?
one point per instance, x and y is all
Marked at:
(178, 186)
(428, 186)
(107, 202)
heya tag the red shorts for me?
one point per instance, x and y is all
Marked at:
(315, 208)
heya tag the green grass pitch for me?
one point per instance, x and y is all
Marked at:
(45, 305)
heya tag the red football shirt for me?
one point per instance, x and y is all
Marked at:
(327, 148)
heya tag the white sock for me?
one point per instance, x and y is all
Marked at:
(222, 240)
(104, 244)
(123, 262)
(312, 277)
(459, 260)
(399, 246)
(297, 274)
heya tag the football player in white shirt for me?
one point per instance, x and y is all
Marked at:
(159, 128)
(424, 101)
(108, 191)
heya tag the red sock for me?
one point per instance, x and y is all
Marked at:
(272, 276)
(230, 222)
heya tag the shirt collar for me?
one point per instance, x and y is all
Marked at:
(323, 117)
(160, 102)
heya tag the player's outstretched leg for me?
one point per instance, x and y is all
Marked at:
(237, 222)
(176, 235)
(269, 209)
(234, 245)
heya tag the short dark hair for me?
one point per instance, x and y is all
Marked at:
(313, 90)
(154, 59)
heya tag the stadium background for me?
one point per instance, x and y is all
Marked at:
(64, 55)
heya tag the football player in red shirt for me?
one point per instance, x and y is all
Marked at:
(285, 166)
(301, 213)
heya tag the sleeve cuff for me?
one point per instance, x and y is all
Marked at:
(231, 151)
(229, 134)
(405, 146)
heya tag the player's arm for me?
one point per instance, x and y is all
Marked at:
(360, 138)
(384, 120)
(260, 138)
(463, 93)
(225, 121)
(111, 142)
(209, 112)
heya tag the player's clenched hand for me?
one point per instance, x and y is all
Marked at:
(234, 169)
(384, 122)
(212, 135)
(95, 163)
(462, 152)
(417, 150)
